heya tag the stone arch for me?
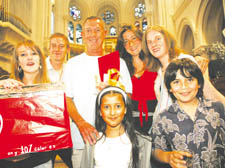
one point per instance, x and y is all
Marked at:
(186, 36)
(211, 21)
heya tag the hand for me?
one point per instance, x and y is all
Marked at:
(176, 159)
(101, 85)
(88, 132)
(11, 83)
(202, 63)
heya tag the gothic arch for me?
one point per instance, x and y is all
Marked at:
(186, 36)
(211, 21)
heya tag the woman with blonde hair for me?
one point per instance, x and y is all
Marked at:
(19, 73)
(27, 68)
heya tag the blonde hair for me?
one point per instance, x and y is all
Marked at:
(18, 74)
(173, 49)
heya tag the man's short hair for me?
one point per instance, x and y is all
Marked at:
(92, 18)
(63, 36)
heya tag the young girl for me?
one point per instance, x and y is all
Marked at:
(119, 145)
(143, 96)
(192, 127)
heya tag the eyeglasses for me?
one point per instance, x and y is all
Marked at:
(133, 40)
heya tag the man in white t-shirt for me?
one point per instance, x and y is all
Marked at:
(58, 50)
(80, 81)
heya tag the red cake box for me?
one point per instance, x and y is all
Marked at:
(33, 119)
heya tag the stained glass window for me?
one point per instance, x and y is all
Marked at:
(139, 10)
(108, 17)
(78, 34)
(75, 13)
(71, 32)
(137, 24)
(112, 31)
(144, 24)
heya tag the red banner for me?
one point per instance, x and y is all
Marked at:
(109, 61)
(33, 120)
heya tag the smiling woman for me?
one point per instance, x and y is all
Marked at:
(143, 96)
(27, 68)
(28, 64)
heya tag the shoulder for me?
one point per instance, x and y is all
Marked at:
(151, 74)
(216, 105)
(75, 59)
(122, 61)
(48, 63)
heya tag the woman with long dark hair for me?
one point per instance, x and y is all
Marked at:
(143, 97)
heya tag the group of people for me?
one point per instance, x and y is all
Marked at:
(168, 108)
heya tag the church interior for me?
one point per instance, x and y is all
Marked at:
(196, 24)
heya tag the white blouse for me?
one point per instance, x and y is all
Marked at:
(113, 152)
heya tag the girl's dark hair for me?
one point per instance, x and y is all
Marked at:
(123, 52)
(127, 122)
(188, 69)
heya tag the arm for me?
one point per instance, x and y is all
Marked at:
(210, 92)
(88, 132)
(173, 158)
(10, 83)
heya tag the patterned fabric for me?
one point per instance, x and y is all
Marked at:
(204, 137)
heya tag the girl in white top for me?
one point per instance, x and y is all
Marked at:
(161, 48)
(119, 145)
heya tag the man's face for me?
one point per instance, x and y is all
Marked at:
(58, 49)
(93, 34)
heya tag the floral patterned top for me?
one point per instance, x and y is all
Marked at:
(204, 137)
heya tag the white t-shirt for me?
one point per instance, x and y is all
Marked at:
(113, 152)
(54, 75)
(79, 79)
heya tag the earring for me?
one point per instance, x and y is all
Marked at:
(20, 69)
(40, 67)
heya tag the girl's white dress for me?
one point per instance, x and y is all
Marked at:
(113, 152)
